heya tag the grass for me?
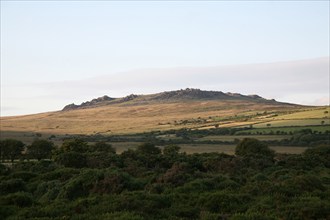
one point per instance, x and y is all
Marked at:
(240, 137)
(133, 119)
(293, 122)
(122, 146)
(275, 118)
(127, 119)
(286, 129)
(307, 113)
(230, 149)
(288, 149)
(207, 148)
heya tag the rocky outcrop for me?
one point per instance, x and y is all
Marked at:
(92, 103)
(170, 96)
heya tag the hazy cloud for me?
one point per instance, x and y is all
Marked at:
(304, 82)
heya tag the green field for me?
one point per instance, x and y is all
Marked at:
(230, 149)
(285, 129)
(293, 122)
(272, 125)
(240, 137)
(208, 148)
(320, 112)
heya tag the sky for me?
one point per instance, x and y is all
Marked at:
(54, 53)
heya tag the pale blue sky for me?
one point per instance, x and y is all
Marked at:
(59, 41)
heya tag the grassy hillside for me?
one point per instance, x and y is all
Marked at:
(122, 118)
(192, 109)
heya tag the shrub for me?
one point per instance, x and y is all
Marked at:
(40, 149)
(20, 199)
(318, 156)
(24, 175)
(225, 202)
(253, 147)
(48, 191)
(251, 216)
(148, 148)
(103, 147)
(4, 170)
(7, 210)
(11, 186)
(72, 159)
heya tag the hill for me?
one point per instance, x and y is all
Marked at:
(190, 108)
(169, 97)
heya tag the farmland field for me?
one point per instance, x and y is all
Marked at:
(240, 137)
(135, 124)
(305, 114)
(230, 149)
(293, 122)
(286, 129)
(208, 148)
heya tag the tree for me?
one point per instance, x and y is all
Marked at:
(148, 148)
(76, 145)
(104, 147)
(72, 159)
(40, 149)
(11, 149)
(1, 149)
(171, 150)
(253, 147)
(317, 156)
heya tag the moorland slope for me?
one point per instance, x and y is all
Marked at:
(191, 108)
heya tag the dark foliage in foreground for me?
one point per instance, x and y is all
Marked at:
(93, 182)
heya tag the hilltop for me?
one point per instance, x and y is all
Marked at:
(182, 95)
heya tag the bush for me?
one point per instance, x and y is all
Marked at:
(7, 210)
(4, 170)
(251, 216)
(177, 175)
(148, 148)
(80, 185)
(11, 186)
(122, 216)
(47, 191)
(224, 202)
(102, 160)
(306, 207)
(75, 145)
(40, 149)
(253, 147)
(103, 147)
(72, 159)
(24, 175)
(20, 199)
(11, 149)
(61, 174)
(318, 156)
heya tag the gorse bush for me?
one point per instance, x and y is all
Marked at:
(93, 182)
(11, 186)
(20, 199)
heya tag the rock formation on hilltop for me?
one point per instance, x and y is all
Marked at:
(169, 96)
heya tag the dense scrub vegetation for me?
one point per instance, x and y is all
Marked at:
(81, 181)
